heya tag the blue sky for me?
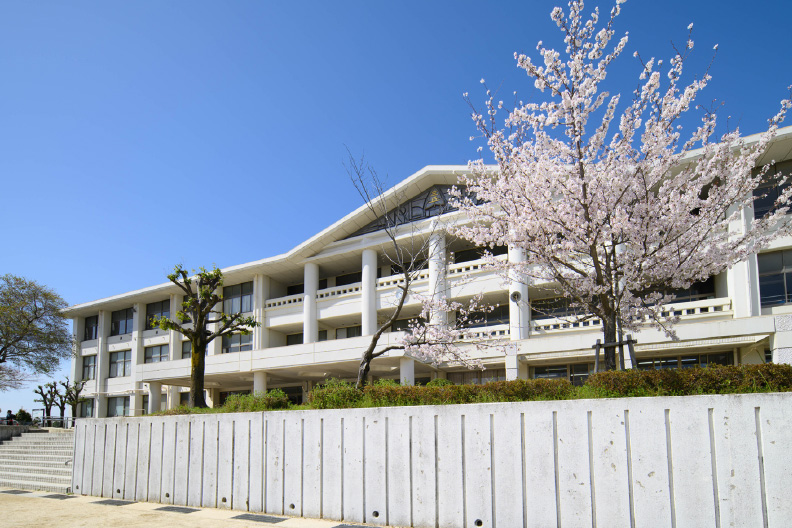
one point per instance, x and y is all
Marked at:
(136, 135)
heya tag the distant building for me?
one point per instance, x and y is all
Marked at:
(319, 302)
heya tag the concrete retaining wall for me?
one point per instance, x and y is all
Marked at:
(684, 461)
(7, 432)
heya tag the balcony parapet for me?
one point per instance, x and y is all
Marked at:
(284, 301)
(686, 311)
(339, 291)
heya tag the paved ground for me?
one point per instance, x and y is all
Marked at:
(20, 509)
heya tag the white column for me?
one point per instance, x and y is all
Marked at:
(437, 274)
(407, 370)
(155, 397)
(102, 364)
(743, 277)
(519, 307)
(174, 337)
(78, 328)
(261, 292)
(311, 285)
(259, 381)
(515, 369)
(136, 405)
(368, 299)
(173, 396)
(138, 324)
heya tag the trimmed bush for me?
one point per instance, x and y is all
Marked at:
(335, 394)
(681, 382)
(260, 401)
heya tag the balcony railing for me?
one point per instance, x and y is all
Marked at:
(686, 311)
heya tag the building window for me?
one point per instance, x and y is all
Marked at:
(294, 339)
(349, 331)
(322, 335)
(697, 292)
(349, 278)
(121, 322)
(768, 192)
(775, 277)
(687, 361)
(295, 289)
(186, 349)
(497, 316)
(155, 354)
(238, 298)
(476, 377)
(89, 367)
(117, 406)
(576, 373)
(184, 398)
(87, 408)
(237, 343)
(467, 255)
(120, 364)
(91, 328)
(556, 307)
(157, 309)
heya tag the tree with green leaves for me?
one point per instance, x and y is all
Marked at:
(202, 292)
(33, 333)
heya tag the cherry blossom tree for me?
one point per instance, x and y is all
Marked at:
(615, 206)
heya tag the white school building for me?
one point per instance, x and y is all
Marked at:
(319, 303)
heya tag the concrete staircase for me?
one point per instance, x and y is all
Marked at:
(40, 460)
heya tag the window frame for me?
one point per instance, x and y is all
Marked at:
(125, 362)
(238, 295)
(91, 367)
(91, 331)
(163, 351)
(127, 323)
(161, 309)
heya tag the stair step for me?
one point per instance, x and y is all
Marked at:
(37, 477)
(39, 464)
(63, 471)
(35, 486)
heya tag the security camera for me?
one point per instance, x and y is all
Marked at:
(515, 296)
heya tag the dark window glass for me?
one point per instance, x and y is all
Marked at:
(155, 354)
(157, 309)
(186, 349)
(184, 398)
(579, 373)
(403, 325)
(775, 277)
(322, 335)
(117, 406)
(238, 298)
(295, 289)
(555, 307)
(87, 408)
(237, 343)
(466, 255)
(697, 292)
(551, 372)
(497, 316)
(768, 355)
(91, 328)
(89, 367)
(350, 331)
(349, 278)
(121, 322)
(418, 264)
(322, 284)
(766, 195)
(294, 339)
(144, 410)
(120, 364)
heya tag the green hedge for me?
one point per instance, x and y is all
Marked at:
(614, 384)
(682, 382)
(335, 394)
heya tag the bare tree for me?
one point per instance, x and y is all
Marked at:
(408, 250)
(72, 393)
(48, 394)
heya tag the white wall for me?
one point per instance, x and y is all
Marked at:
(683, 461)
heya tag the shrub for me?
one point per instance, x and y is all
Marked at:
(439, 382)
(680, 382)
(335, 394)
(23, 417)
(260, 401)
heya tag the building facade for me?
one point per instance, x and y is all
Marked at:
(319, 304)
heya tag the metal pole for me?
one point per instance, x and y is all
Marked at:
(596, 356)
